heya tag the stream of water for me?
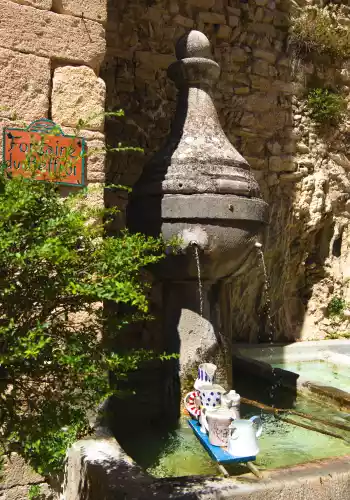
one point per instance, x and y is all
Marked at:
(269, 323)
(200, 285)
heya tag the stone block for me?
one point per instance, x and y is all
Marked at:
(282, 164)
(155, 61)
(260, 67)
(274, 148)
(284, 87)
(233, 10)
(260, 83)
(78, 94)
(38, 4)
(248, 120)
(302, 148)
(233, 21)
(96, 161)
(266, 55)
(262, 29)
(238, 55)
(186, 22)
(259, 15)
(281, 19)
(25, 85)
(211, 18)
(257, 163)
(224, 32)
(90, 9)
(292, 177)
(241, 90)
(48, 34)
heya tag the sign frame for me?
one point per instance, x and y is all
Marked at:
(44, 126)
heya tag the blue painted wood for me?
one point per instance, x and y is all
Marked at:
(217, 453)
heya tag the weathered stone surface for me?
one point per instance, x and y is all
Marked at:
(155, 61)
(78, 94)
(186, 22)
(17, 473)
(25, 85)
(96, 161)
(101, 469)
(211, 18)
(89, 9)
(22, 493)
(224, 32)
(39, 4)
(282, 164)
(47, 34)
(238, 55)
(266, 55)
(260, 67)
(233, 21)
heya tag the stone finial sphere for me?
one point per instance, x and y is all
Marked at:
(193, 44)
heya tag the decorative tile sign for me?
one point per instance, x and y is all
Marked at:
(44, 149)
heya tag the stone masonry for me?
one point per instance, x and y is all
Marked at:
(260, 98)
(50, 55)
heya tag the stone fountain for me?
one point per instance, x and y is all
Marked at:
(200, 190)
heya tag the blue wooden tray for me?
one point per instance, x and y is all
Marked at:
(217, 453)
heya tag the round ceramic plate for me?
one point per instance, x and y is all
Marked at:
(190, 404)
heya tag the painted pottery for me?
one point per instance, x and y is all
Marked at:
(192, 404)
(232, 401)
(206, 374)
(243, 436)
(210, 395)
(218, 425)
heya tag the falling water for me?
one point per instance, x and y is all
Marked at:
(200, 285)
(270, 326)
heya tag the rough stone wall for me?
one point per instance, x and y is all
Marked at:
(260, 100)
(50, 55)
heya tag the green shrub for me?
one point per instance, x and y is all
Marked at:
(34, 492)
(57, 269)
(326, 106)
(336, 306)
(316, 31)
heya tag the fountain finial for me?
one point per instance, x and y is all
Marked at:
(193, 44)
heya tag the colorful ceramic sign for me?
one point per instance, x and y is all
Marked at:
(43, 150)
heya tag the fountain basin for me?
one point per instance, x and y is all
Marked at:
(322, 367)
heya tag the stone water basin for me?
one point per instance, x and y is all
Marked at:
(177, 452)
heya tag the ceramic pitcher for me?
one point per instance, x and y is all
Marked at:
(217, 423)
(210, 395)
(232, 401)
(206, 374)
(243, 436)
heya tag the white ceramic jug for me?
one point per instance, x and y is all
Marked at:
(232, 401)
(206, 374)
(217, 423)
(243, 437)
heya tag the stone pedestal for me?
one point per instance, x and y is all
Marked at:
(196, 338)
